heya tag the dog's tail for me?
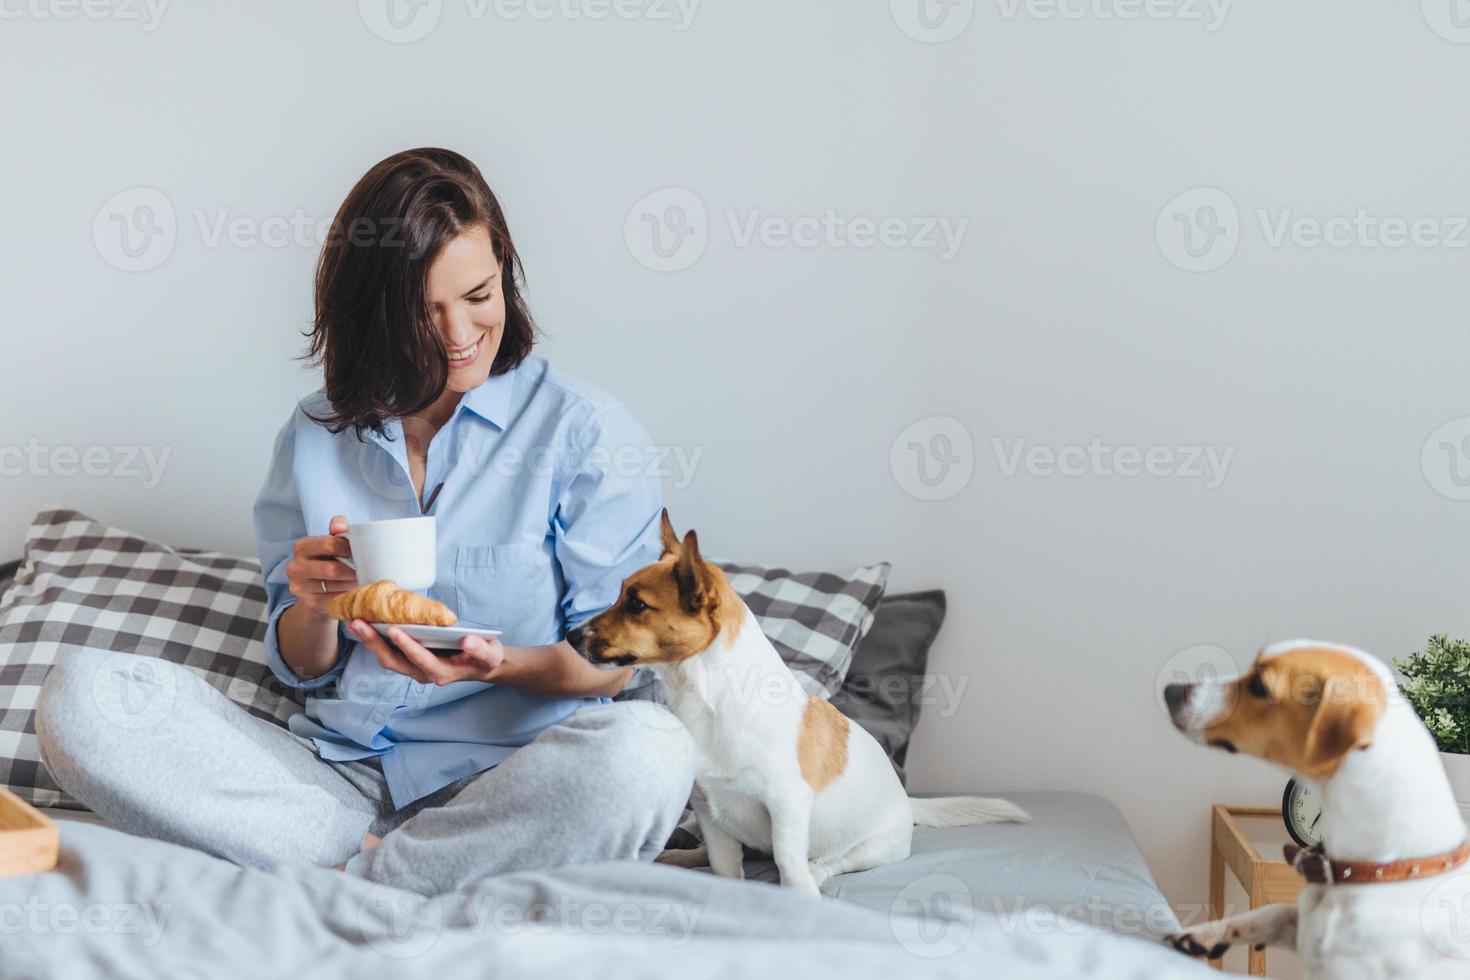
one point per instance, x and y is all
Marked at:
(962, 811)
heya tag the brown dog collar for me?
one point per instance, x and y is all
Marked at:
(1315, 866)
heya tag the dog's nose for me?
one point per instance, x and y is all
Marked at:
(575, 637)
(1174, 697)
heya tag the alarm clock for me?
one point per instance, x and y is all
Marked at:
(1302, 812)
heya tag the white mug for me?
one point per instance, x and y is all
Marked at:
(402, 549)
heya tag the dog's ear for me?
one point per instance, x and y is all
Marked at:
(691, 576)
(1347, 713)
(666, 534)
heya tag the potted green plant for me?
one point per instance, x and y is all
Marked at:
(1437, 684)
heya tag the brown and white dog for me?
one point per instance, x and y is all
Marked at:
(778, 770)
(1389, 893)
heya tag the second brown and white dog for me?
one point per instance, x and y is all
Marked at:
(778, 770)
(1389, 891)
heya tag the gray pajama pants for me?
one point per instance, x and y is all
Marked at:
(609, 783)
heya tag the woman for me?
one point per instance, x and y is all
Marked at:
(407, 767)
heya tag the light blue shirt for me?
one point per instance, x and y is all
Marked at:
(551, 498)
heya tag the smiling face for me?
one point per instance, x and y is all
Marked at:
(1304, 707)
(419, 271)
(467, 306)
(666, 612)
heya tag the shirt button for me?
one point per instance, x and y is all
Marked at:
(380, 716)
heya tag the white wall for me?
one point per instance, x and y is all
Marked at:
(793, 370)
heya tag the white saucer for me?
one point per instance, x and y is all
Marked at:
(437, 637)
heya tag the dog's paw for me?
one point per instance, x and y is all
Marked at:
(694, 857)
(1209, 941)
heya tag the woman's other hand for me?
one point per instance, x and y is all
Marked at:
(554, 669)
(478, 659)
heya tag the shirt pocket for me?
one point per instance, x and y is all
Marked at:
(496, 584)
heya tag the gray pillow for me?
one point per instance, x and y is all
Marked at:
(884, 688)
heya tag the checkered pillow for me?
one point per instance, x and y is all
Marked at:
(814, 619)
(84, 584)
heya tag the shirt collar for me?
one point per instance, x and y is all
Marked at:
(491, 400)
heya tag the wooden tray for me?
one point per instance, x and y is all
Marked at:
(28, 838)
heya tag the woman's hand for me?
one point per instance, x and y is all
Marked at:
(478, 659)
(314, 574)
(554, 669)
(306, 633)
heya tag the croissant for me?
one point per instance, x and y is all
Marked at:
(385, 602)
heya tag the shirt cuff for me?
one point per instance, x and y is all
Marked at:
(283, 670)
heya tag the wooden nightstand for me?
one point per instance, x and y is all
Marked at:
(1235, 832)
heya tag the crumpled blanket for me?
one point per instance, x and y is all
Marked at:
(122, 906)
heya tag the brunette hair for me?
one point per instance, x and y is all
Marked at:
(373, 335)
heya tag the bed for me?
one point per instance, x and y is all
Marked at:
(1076, 859)
(1066, 895)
